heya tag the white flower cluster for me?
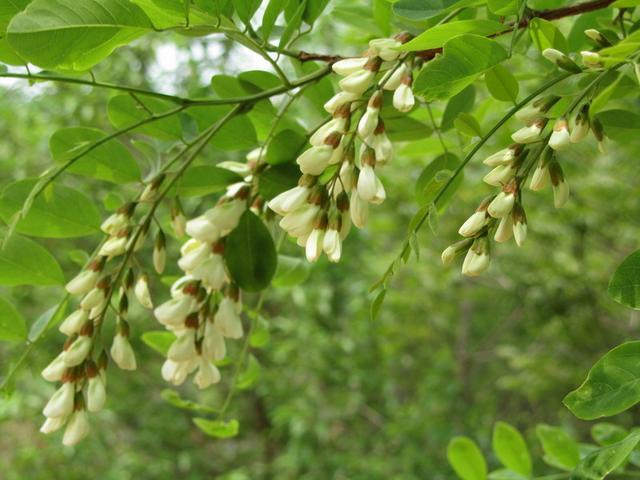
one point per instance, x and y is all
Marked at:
(502, 215)
(205, 305)
(336, 188)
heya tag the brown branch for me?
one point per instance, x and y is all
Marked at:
(551, 14)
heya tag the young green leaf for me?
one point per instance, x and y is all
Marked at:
(461, 102)
(620, 125)
(110, 161)
(12, 325)
(608, 433)
(511, 449)
(250, 375)
(560, 450)
(624, 286)
(424, 9)
(218, 428)
(285, 146)
(466, 459)
(250, 254)
(62, 213)
(277, 179)
(204, 179)
(546, 35)
(464, 58)
(612, 385)
(440, 34)
(159, 340)
(502, 84)
(24, 262)
(291, 271)
(58, 34)
(124, 110)
(429, 182)
(600, 463)
(504, 7)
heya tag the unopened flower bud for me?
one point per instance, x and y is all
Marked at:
(385, 48)
(55, 370)
(227, 319)
(519, 224)
(504, 201)
(178, 222)
(531, 133)
(452, 251)
(561, 60)
(77, 428)
(122, 352)
(582, 125)
(597, 37)
(60, 405)
(141, 291)
(477, 220)
(74, 322)
(504, 230)
(477, 259)
(403, 99)
(536, 109)
(560, 138)
(160, 253)
(348, 66)
(150, 193)
(559, 184)
(505, 156)
(591, 59)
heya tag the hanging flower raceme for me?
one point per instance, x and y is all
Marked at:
(205, 305)
(532, 159)
(337, 186)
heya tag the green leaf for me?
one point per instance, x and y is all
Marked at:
(246, 8)
(13, 327)
(75, 34)
(437, 36)
(401, 128)
(612, 385)
(291, 271)
(61, 212)
(546, 35)
(251, 374)
(49, 319)
(124, 111)
(462, 102)
(600, 463)
(236, 134)
(429, 183)
(620, 125)
(250, 254)
(504, 7)
(560, 450)
(293, 24)
(464, 58)
(424, 9)
(377, 304)
(24, 262)
(110, 161)
(466, 459)
(285, 147)
(468, 125)
(502, 84)
(260, 333)
(608, 433)
(511, 449)
(277, 179)
(173, 398)
(159, 340)
(203, 180)
(270, 16)
(313, 10)
(624, 286)
(218, 428)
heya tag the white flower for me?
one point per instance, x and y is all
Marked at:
(207, 374)
(503, 157)
(83, 282)
(228, 320)
(560, 193)
(114, 246)
(141, 291)
(474, 223)
(211, 272)
(500, 175)
(213, 346)
(403, 99)
(380, 194)
(96, 394)
(504, 230)
(536, 110)
(560, 138)
(183, 347)
(122, 353)
(289, 200)
(77, 428)
(561, 60)
(77, 351)
(193, 254)
(332, 245)
(94, 299)
(176, 372)
(367, 185)
(254, 156)
(349, 65)
(452, 251)
(529, 134)
(174, 311)
(590, 59)
(60, 405)
(313, 247)
(357, 82)
(315, 160)
(202, 229)
(475, 263)
(179, 222)
(300, 222)
(581, 127)
(114, 223)
(382, 146)
(501, 205)
(368, 122)
(385, 48)
(359, 210)
(333, 125)
(226, 215)
(393, 78)
(52, 424)
(338, 100)
(159, 259)
(55, 370)
(540, 177)
(347, 176)
(74, 322)
(519, 231)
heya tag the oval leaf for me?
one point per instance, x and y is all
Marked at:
(511, 449)
(502, 84)
(24, 262)
(12, 325)
(599, 464)
(218, 428)
(466, 459)
(560, 450)
(250, 254)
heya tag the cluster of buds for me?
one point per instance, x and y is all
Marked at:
(502, 215)
(205, 305)
(591, 59)
(337, 186)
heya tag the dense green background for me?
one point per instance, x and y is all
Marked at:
(340, 395)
